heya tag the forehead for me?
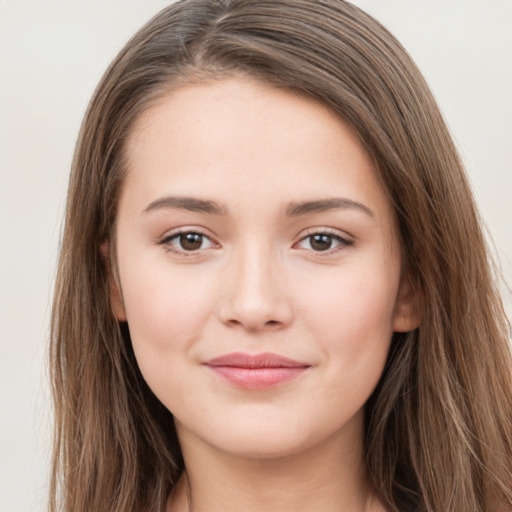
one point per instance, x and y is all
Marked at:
(241, 139)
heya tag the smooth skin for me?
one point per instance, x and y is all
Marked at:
(251, 220)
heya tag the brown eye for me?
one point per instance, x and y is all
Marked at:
(190, 241)
(187, 242)
(324, 242)
(321, 242)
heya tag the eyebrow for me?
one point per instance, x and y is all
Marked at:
(323, 205)
(294, 209)
(187, 203)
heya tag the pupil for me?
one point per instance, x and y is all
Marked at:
(321, 242)
(191, 241)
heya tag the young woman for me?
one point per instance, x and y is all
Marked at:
(273, 289)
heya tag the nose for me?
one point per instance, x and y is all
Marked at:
(255, 295)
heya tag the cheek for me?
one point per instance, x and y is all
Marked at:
(361, 297)
(352, 315)
(166, 312)
(165, 323)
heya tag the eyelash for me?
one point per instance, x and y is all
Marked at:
(335, 236)
(166, 242)
(342, 242)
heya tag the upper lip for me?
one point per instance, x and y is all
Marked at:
(263, 360)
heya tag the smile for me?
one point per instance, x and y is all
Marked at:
(260, 371)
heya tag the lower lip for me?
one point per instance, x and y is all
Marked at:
(257, 378)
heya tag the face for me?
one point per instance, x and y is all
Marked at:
(258, 267)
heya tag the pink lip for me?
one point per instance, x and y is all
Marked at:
(256, 372)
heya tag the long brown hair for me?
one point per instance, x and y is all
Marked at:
(438, 426)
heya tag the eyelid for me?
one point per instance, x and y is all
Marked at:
(343, 240)
(173, 234)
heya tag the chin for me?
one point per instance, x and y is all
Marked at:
(268, 445)
(265, 440)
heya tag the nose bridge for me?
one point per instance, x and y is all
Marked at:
(256, 294)
(254, 263)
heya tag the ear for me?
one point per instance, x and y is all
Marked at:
(406, 316)
(116, 297)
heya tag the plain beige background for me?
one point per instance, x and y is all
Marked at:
(53, 52)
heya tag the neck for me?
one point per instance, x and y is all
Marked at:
(330, 477)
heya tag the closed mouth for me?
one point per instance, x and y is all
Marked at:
(258, 371)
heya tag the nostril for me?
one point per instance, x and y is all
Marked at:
(254, 326)
(255, 309)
